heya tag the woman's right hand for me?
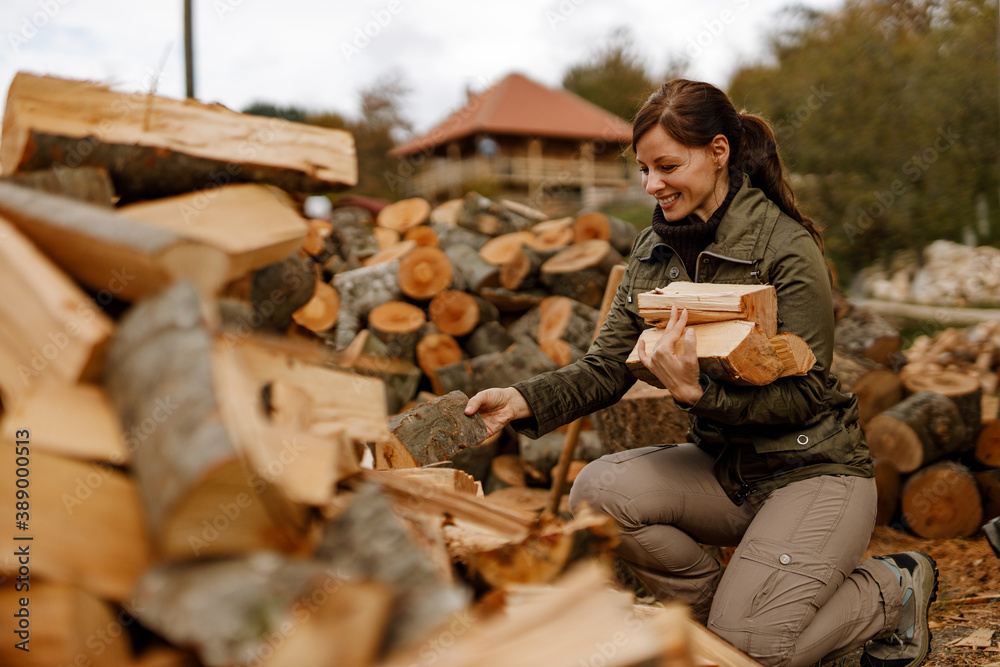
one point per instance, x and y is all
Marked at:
(499, 407)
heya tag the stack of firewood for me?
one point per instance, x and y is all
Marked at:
(215, 449)
(929, 415)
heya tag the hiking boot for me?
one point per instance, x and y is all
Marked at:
(910, 642)
(992, 532)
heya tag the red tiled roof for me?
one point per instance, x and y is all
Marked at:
(517, 105)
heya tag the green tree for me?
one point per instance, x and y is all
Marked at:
(886, 112)
(293, 113)
(613, 77)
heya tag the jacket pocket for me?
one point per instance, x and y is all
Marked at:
(829, 440)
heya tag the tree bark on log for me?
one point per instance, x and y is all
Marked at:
(558, 318)
(989, 491)
(876, 387)
(158, 146)
(491, 218)
(520, 361)
(507, 301)
(919, 430)
(942, 501)
(279, 290)
(352, 229)
(988, 445)
(964, 390)
(644, 416)
(865, 333)
(449, 235)
(369, 542)
(488, 338)
(128, 259)
(86, 184)
(161, 372)
(398, 325)
(597, 225)
(476, 273)
(437, 430)
(360, 291)
(581, 271)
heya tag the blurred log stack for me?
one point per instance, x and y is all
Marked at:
(217, 406)
(929, 414)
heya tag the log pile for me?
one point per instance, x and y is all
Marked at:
(213, 405)
(929, 414)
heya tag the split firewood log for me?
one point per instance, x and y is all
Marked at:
(160, 379)
(80, 423)
(437, 430)
(389, 250)
(919, 430)
(52, 330)
(507, 301)
(368, 541)
(876, 386)
(320, 312)
(182, 602)
(360, 291)
(964, 390)
(710, 302)
(552, 236)
(796, 356)
(501, 249)
(473, 271)
(487, 338)
(88, 184)
(521, 361)
(353, 231)
(403, 215)
(424, 236)
(491, 218)
(446, 213)
(435, 350)
(558, 318)
(645, 415)
(581, 271)
(398, 325)
(597, 225)
(87, 524)
(65, 625)
(367, 355)
(279, 290)
(942, 501)
(424, 273)
(520, 271)
(734, 351)
(458, 313)
(157, 146)
(865, 333)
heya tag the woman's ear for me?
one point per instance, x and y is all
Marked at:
(720, 149)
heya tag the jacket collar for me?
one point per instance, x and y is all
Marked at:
(742, 234)
(746, 226)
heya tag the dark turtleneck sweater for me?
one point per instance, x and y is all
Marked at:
(688, 237)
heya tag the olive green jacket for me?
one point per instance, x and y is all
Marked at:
(761, 437)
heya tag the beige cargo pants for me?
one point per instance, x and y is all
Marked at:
(792, 593)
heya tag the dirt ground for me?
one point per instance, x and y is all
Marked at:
(968, 570)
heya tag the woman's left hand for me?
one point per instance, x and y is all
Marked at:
(678, 372)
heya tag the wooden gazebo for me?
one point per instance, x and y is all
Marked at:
(520, 138)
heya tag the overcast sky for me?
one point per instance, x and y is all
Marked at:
(317, 54)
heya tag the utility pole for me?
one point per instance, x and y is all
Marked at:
(188, 50)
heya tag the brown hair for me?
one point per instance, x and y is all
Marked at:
(694, 113)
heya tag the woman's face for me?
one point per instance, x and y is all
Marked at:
(683, 180)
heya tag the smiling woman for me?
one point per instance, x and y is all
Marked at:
(779, 470)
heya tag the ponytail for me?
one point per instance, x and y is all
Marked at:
(694, 113)
(756, 155)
